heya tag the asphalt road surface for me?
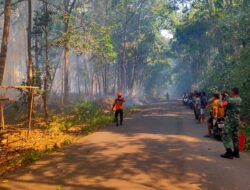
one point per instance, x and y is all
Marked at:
(162, 148)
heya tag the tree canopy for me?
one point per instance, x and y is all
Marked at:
(95, 48)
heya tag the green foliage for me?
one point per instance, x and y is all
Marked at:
(33, 155)
(67, 142)
(212, 44)
(59, 123)
(93, 38)
(88, 113)
(104, 48)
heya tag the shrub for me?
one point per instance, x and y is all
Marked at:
(86, 111)
(90, 114)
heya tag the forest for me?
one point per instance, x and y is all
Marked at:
(87, 48)
(211, 48)
(80, 53)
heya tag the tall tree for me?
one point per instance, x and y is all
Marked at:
(29, 36)
(68, 7)
(30, 62)
(47, 71)
(5, 37)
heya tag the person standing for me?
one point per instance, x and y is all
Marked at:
(232, 123)
(197, 105)
(215, 112)
(203, 100)
(118, 106)
(167, 96)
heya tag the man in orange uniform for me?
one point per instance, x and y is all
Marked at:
(118, 106)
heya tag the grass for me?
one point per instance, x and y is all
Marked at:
(27, 157)
(85, 119)
(131, 111)
(33, 155)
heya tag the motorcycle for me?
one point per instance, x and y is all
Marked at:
(218, 126)
(185, 100)
(190, 103)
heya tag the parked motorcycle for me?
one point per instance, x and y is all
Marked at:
(218, 126)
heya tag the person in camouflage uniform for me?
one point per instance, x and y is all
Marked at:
(232, 123)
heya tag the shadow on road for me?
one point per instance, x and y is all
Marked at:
(156, 150)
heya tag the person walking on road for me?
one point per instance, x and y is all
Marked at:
(118, 106)
(232, 123)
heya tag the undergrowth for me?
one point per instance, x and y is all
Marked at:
(84, 119)
(91, 116)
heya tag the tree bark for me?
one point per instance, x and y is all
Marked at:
(30, 63)
(121, 85)
(66, 75)
(5, 38)
(36, 50)
(210, 7)
(47, 74)
(67, 12)
(123, 60)
(133, 75)
(99, 86)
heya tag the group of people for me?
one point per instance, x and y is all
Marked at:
(223, 108)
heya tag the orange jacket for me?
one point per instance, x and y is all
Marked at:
(118, 104)
(217, 110)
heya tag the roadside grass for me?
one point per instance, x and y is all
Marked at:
(25, 158)
(131, 111)
(64, 129)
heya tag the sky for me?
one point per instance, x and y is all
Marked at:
(167, 34)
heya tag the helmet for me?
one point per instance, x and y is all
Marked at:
(119, 94)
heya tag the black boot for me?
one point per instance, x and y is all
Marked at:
(236, 153)
(228, 154)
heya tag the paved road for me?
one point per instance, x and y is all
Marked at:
(161, 148)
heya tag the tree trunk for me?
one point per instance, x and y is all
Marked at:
(47, 74)
(103, 81)
(229, 4)
(67, 12)
(30, 63)
(123, 60)
(36, 53)
(5, 37)
(133, 75)
(210, 7)
(92, 86)
(66, 75)
(105, 72)
(99, 86)
(78, 73)
(121, 85)
(62, 83)
(79, 85)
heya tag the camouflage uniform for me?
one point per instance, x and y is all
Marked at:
(232, 122)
